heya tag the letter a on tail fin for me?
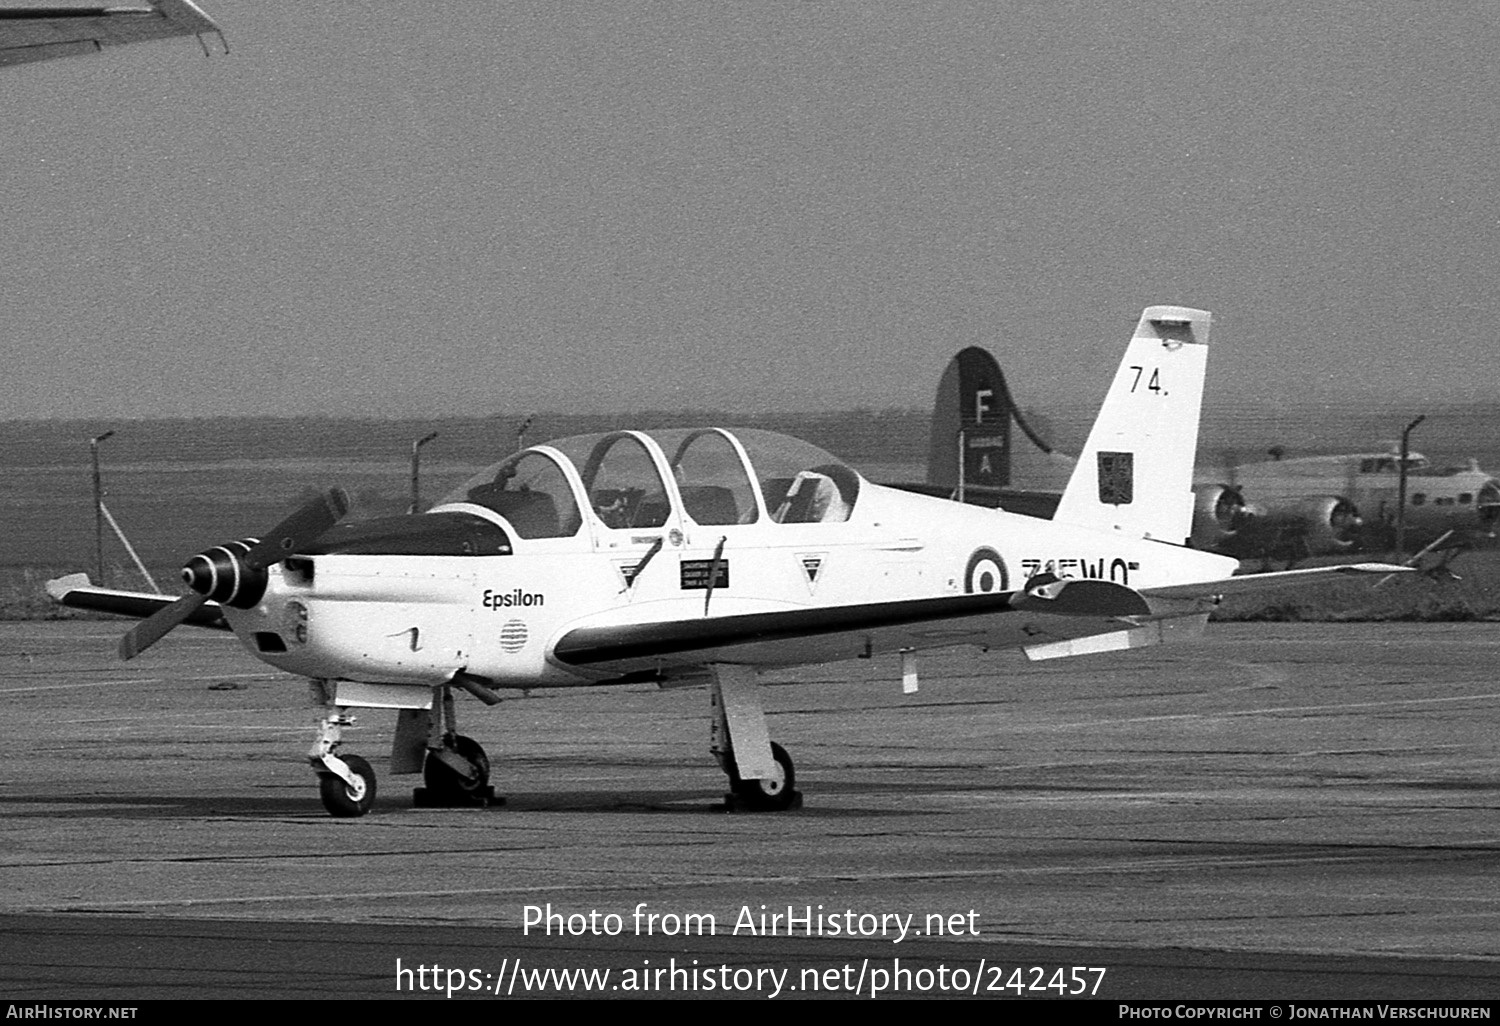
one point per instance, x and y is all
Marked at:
(1136, 472)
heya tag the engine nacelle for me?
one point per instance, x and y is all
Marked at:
(1219, 515)
(1325, 524)
(1293, 528)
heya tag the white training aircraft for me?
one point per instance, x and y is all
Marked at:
(706, 556)
(36, 32)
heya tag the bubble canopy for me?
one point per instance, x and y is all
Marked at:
(635, 480)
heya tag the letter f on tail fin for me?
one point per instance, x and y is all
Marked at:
(1136, 472)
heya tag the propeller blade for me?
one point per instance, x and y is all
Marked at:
(301, 528)
(155, 627)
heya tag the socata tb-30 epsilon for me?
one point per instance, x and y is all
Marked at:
(706, 556)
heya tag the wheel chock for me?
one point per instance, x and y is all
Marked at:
(426, 798)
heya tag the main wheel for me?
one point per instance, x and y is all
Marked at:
(347, 800)
(441, 778)
(770, 794)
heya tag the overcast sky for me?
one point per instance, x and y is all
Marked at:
(374, 208)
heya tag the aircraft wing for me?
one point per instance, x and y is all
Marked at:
(1057, 610)
(38, 33)
(77, 591)
(1245, 583)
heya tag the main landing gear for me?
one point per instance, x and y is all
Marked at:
(761, 775)
(456, 774)
(455, 769)
(768, 794)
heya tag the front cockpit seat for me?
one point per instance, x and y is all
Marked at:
(710, 504)
(532, 514)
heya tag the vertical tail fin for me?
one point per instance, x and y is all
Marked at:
(1136, 472)
(971, 423)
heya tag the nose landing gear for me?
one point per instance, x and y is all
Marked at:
(455, 768)
(346, 784)
(346, 799)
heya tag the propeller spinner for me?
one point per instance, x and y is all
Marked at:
(235, 573)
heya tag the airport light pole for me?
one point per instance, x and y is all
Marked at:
(1401, 485)
(98, 507)
(416, 448)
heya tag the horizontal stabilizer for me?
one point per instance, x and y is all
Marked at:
(1242, 584)
(77, 592)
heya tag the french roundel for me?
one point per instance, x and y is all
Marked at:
(986, 572)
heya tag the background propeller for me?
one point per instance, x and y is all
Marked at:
(236, 573)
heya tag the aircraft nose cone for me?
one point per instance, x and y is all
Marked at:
(220, 574)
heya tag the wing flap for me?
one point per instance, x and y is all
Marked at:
(1153, 632)
(77, 592)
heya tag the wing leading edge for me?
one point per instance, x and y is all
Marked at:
(40, 33)
(1065, 617)
(77, 591)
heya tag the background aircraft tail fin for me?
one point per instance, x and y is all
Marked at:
(1136, 471)
(971, 425)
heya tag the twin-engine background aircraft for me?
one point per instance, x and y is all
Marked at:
(684, 556)
(1281, 509)
(40, 33)
(1326, 505)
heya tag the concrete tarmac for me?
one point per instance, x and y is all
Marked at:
(1275, 812)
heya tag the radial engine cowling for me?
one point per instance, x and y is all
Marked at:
(1219, 514)
(1327, 523)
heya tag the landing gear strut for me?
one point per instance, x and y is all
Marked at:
(347, 784)
(761, 775)
(455, 770)
(458, 773)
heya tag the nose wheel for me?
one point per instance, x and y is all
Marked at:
(346, 799)
(346, 783)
